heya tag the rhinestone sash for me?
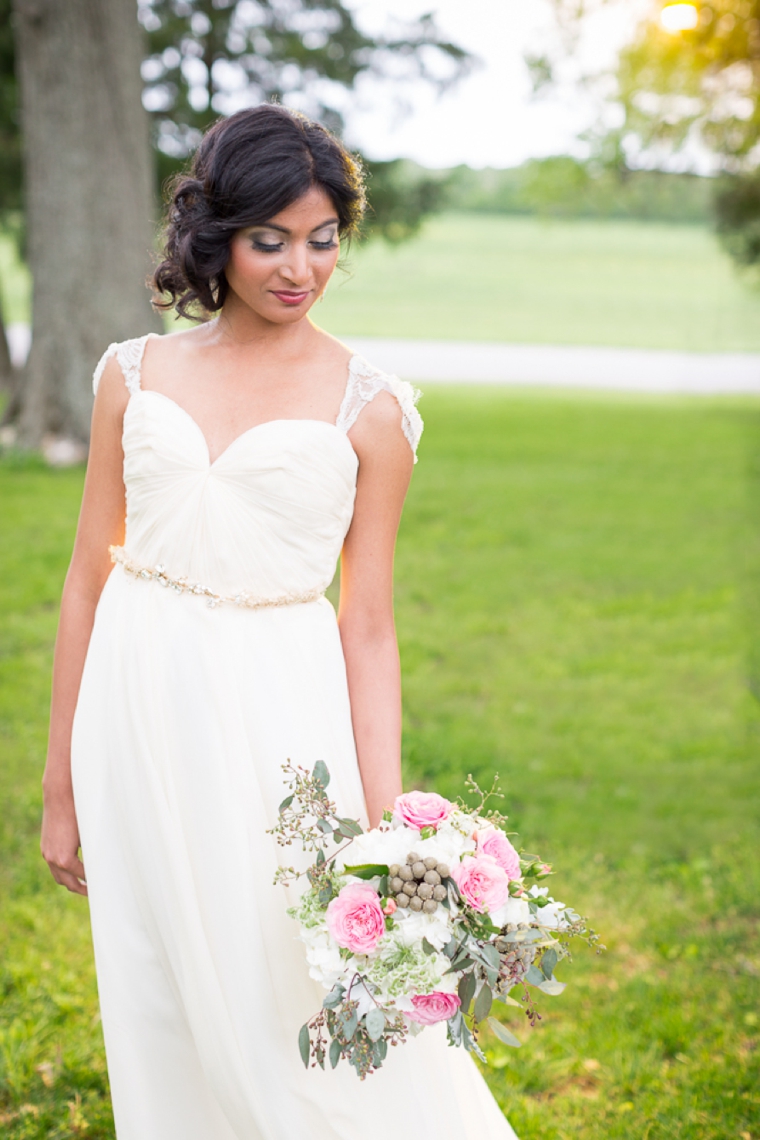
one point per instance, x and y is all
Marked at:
(185, 586)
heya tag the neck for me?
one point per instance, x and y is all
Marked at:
(238, 326)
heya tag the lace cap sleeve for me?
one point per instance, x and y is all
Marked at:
(364, 382)
(129, 354)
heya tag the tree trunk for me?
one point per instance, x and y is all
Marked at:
(89, 200)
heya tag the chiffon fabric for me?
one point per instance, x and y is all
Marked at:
(186, 713)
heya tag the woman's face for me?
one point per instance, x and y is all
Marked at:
(280, 269)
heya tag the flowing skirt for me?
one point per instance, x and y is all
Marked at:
(185, 717)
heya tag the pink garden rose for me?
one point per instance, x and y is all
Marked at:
(482, 883)
(422, 809)
(355, 918)
(493, 842)
(429, 1008)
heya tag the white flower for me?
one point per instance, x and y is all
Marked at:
(513, 910)
(552, 916)
(412, 928)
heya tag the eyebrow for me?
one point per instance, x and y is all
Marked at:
(285, 230)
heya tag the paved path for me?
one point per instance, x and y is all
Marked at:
(632, 369)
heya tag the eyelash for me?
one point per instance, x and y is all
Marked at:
(263, 247)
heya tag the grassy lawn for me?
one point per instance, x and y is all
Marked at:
(470, 277)
(572, 607)
(526, 280)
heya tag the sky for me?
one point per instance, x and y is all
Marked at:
(489, 119)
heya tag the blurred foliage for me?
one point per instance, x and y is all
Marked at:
(737, 208)
(700, 84)
(698, 87)
(562, 186)
(203, 55)
(207, 57)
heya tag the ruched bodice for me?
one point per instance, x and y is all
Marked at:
(268, 517)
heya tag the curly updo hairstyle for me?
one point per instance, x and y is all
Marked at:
(246, 170)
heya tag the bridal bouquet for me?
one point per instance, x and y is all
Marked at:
(430, 917)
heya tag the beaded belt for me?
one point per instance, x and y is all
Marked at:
(185, 586)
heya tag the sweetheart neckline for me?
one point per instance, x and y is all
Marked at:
(211, 463)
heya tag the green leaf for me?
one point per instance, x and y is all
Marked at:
(375, 1023)
(427, 947)
(349, 1022)
(466, 990)
(320, 775)
(325, 895)
(427, 832)
(286, 804)
(350, 827)
(304, 1044)
(367, 870)
(508, 1000)
(549, 961)
(334, 998)
(483, 1003)
(491, 954)
(534, 976)
(381, 1049)
(324, 827)
(552, 987)
(451, 948)
(504, 1034)
(335, 1051)
(320, 857)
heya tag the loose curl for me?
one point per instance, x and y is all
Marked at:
(246, 170)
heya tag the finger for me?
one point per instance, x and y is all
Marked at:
(69, 879)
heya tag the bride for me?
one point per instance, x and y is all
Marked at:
(231, 464)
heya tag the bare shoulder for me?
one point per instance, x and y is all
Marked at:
(378, 435)
(112, 395)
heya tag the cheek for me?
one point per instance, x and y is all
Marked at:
(246, 265)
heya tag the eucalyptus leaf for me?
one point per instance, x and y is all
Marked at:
(325, 895)
(350, 827)
(320, 775)
(320, 857)
(548, 962)
(552, 987)
(508, 1000)
(535, 976)
(304, 1044)
(491, 954)
(427, 947)
(504, 1034)
(451, 948)
(286, 804)
(483, 1003)
(381, 1049)
(349, 1023)
(334, 998)
(335, 1051)
(324, 827)
(375, 1023)
(466, 990)
(382, 886)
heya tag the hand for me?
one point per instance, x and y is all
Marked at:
(60, 843)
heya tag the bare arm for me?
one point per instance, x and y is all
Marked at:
(101, 522)
(365, 615)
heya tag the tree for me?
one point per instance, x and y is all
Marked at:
(10, 172)
(689, 81)
(208, 57)
(87, 159)
(89, 199)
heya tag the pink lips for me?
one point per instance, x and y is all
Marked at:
(291, 298)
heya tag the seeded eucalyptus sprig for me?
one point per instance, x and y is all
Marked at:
(473, 789)
(308, 816)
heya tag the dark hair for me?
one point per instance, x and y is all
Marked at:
(246, 170)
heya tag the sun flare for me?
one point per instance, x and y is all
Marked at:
(679, 17)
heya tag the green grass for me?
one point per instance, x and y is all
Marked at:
(470, 277)
(572, 607)
(526, 280)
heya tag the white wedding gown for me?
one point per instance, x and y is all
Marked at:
(185, 715)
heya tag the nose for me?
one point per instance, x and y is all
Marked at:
(296, 266)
